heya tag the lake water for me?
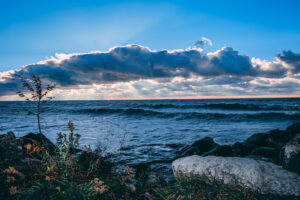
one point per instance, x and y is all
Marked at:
(145, 130)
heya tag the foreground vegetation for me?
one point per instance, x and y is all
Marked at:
(64, 172)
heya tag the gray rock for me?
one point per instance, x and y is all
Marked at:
(223, 150)
(260, 176)
(291, 155)
(199, 147)
(274, 138)
(268, 152)
(7, 137)
(39, 139)
(10, 147)
(257, 139)
(292, 131)
(242, 148)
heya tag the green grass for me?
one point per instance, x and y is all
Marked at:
(196, 189)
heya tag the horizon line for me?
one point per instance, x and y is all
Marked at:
(184, 98)
(211, 97)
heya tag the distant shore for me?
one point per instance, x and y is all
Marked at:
(183, 98)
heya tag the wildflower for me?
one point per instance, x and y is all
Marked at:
(98, 162)
(99, 187)
(48, 178)
(100, 190)
(130, 173)
(12, 170)
(36, 149)
(71, 126)
(13, 190)
(27, 146)
(53, 164)
(11, 178)
(98, 182)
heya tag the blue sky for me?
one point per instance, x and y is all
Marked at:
(31, 31)
(79, 44)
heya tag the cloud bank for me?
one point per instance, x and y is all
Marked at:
(142, 72)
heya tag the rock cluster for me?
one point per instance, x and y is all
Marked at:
(277, 146)
(244, 163)
(10, 147)
(13, 150)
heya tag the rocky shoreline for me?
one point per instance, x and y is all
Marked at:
(277, 152)
(280, 147)
(268, 163)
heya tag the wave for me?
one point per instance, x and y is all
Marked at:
(192, 115)
(240, 117)
(122, 111)
(223, 106)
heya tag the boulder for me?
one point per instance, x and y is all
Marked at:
(274, 138)
(268, 152)
(40, 139)
(4, 138)
(10, 148)
(242, 148)
(223, 150)
(292, 131)
(290, 155)
(256, 175)
(199, 147)
(257, 139)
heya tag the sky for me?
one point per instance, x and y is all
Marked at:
(152, 49)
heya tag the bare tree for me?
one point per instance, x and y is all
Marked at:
(38, 93)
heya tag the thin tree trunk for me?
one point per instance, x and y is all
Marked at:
(38, 116)
(39, 124)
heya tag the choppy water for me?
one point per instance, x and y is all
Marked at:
(147, 129)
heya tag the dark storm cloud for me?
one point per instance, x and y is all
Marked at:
(133, 62)
(292, 59)
(229, 61)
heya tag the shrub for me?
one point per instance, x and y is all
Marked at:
(67, 173)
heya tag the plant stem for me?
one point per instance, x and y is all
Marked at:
(38, 115)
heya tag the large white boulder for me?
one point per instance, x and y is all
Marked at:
(256, 175)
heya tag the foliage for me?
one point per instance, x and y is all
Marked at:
(197, 189)
(67, 173)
